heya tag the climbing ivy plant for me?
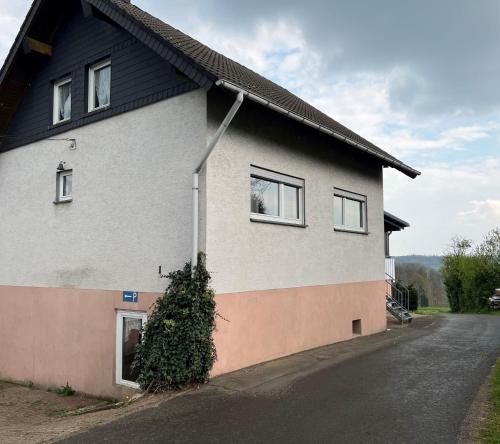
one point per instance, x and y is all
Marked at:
(177, 347)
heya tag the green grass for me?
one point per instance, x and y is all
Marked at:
(493, 312)
(490, 431)
(432, 310)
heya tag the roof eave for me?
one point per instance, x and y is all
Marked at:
(156, 43)
(400, 166)
(395, 221)
(19, 39)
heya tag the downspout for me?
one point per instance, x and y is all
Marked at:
(196, 190)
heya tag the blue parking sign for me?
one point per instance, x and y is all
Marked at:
(130, 296)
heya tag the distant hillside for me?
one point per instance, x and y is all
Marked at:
(433, 262)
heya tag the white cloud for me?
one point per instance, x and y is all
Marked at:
(482, 210)
(12, 14)
(361, 101)
(9, 26)
(276, 49)
(448, 199)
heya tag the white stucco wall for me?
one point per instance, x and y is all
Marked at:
(245, 255)
(131, 209)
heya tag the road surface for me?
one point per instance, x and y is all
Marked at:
(416, 388)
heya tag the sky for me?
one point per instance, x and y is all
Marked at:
(419, 79)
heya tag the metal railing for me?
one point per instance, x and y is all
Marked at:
(390, 267)
(398, 300)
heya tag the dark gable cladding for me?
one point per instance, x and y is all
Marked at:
(139, 76)
(206, 67)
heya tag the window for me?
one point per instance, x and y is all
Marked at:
(275, 197)
(62, 101)
(349, 211)
(129, 326)
(64, 186)
(99, 86)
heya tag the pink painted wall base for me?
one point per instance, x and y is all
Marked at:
(54, 336)
(266, 325)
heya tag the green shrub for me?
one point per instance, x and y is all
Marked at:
(177, 347)
(65, 390)
(470, 274)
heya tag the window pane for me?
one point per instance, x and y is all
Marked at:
(353, 213)
(132, 329)
(291, 202)
(337, 210)
(264, 197)
(64, 101)
(102, 82)
(67, 185)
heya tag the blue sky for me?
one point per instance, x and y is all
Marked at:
(420, 79)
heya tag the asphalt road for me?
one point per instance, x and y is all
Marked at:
(416, 389)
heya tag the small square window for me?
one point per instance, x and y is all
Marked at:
(64, 186)
(62, 101)
(349, 211)
(276, 197)
(99, 85)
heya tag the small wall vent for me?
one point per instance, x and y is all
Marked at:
(356, 327)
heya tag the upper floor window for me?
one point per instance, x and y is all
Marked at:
(62, 101)
(99, 85)
(349, 211)
(276, 197)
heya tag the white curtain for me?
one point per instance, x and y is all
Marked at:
(102, 86)
(65, 101)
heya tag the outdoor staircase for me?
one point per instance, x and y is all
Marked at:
(397, 301)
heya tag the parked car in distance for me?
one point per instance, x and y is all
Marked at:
(494, 301)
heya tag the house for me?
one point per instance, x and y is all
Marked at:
(127, 146)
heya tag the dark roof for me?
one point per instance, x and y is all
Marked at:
(222, 70)
(393, 223)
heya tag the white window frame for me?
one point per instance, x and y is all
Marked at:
(55, 103)
(281, 180)
(344, 194)
(91, 86)
(60, 186)
(120, 315)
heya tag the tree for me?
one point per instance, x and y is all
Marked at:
(428, 283)
(472, 273)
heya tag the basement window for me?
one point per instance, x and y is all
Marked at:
(99, 86)
(129, 328)
(64, 192)
(62, 101)
(276, 197)
(349, 211)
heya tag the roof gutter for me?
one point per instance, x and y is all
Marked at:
(387, 160)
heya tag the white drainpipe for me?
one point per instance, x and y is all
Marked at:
(196, 190)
